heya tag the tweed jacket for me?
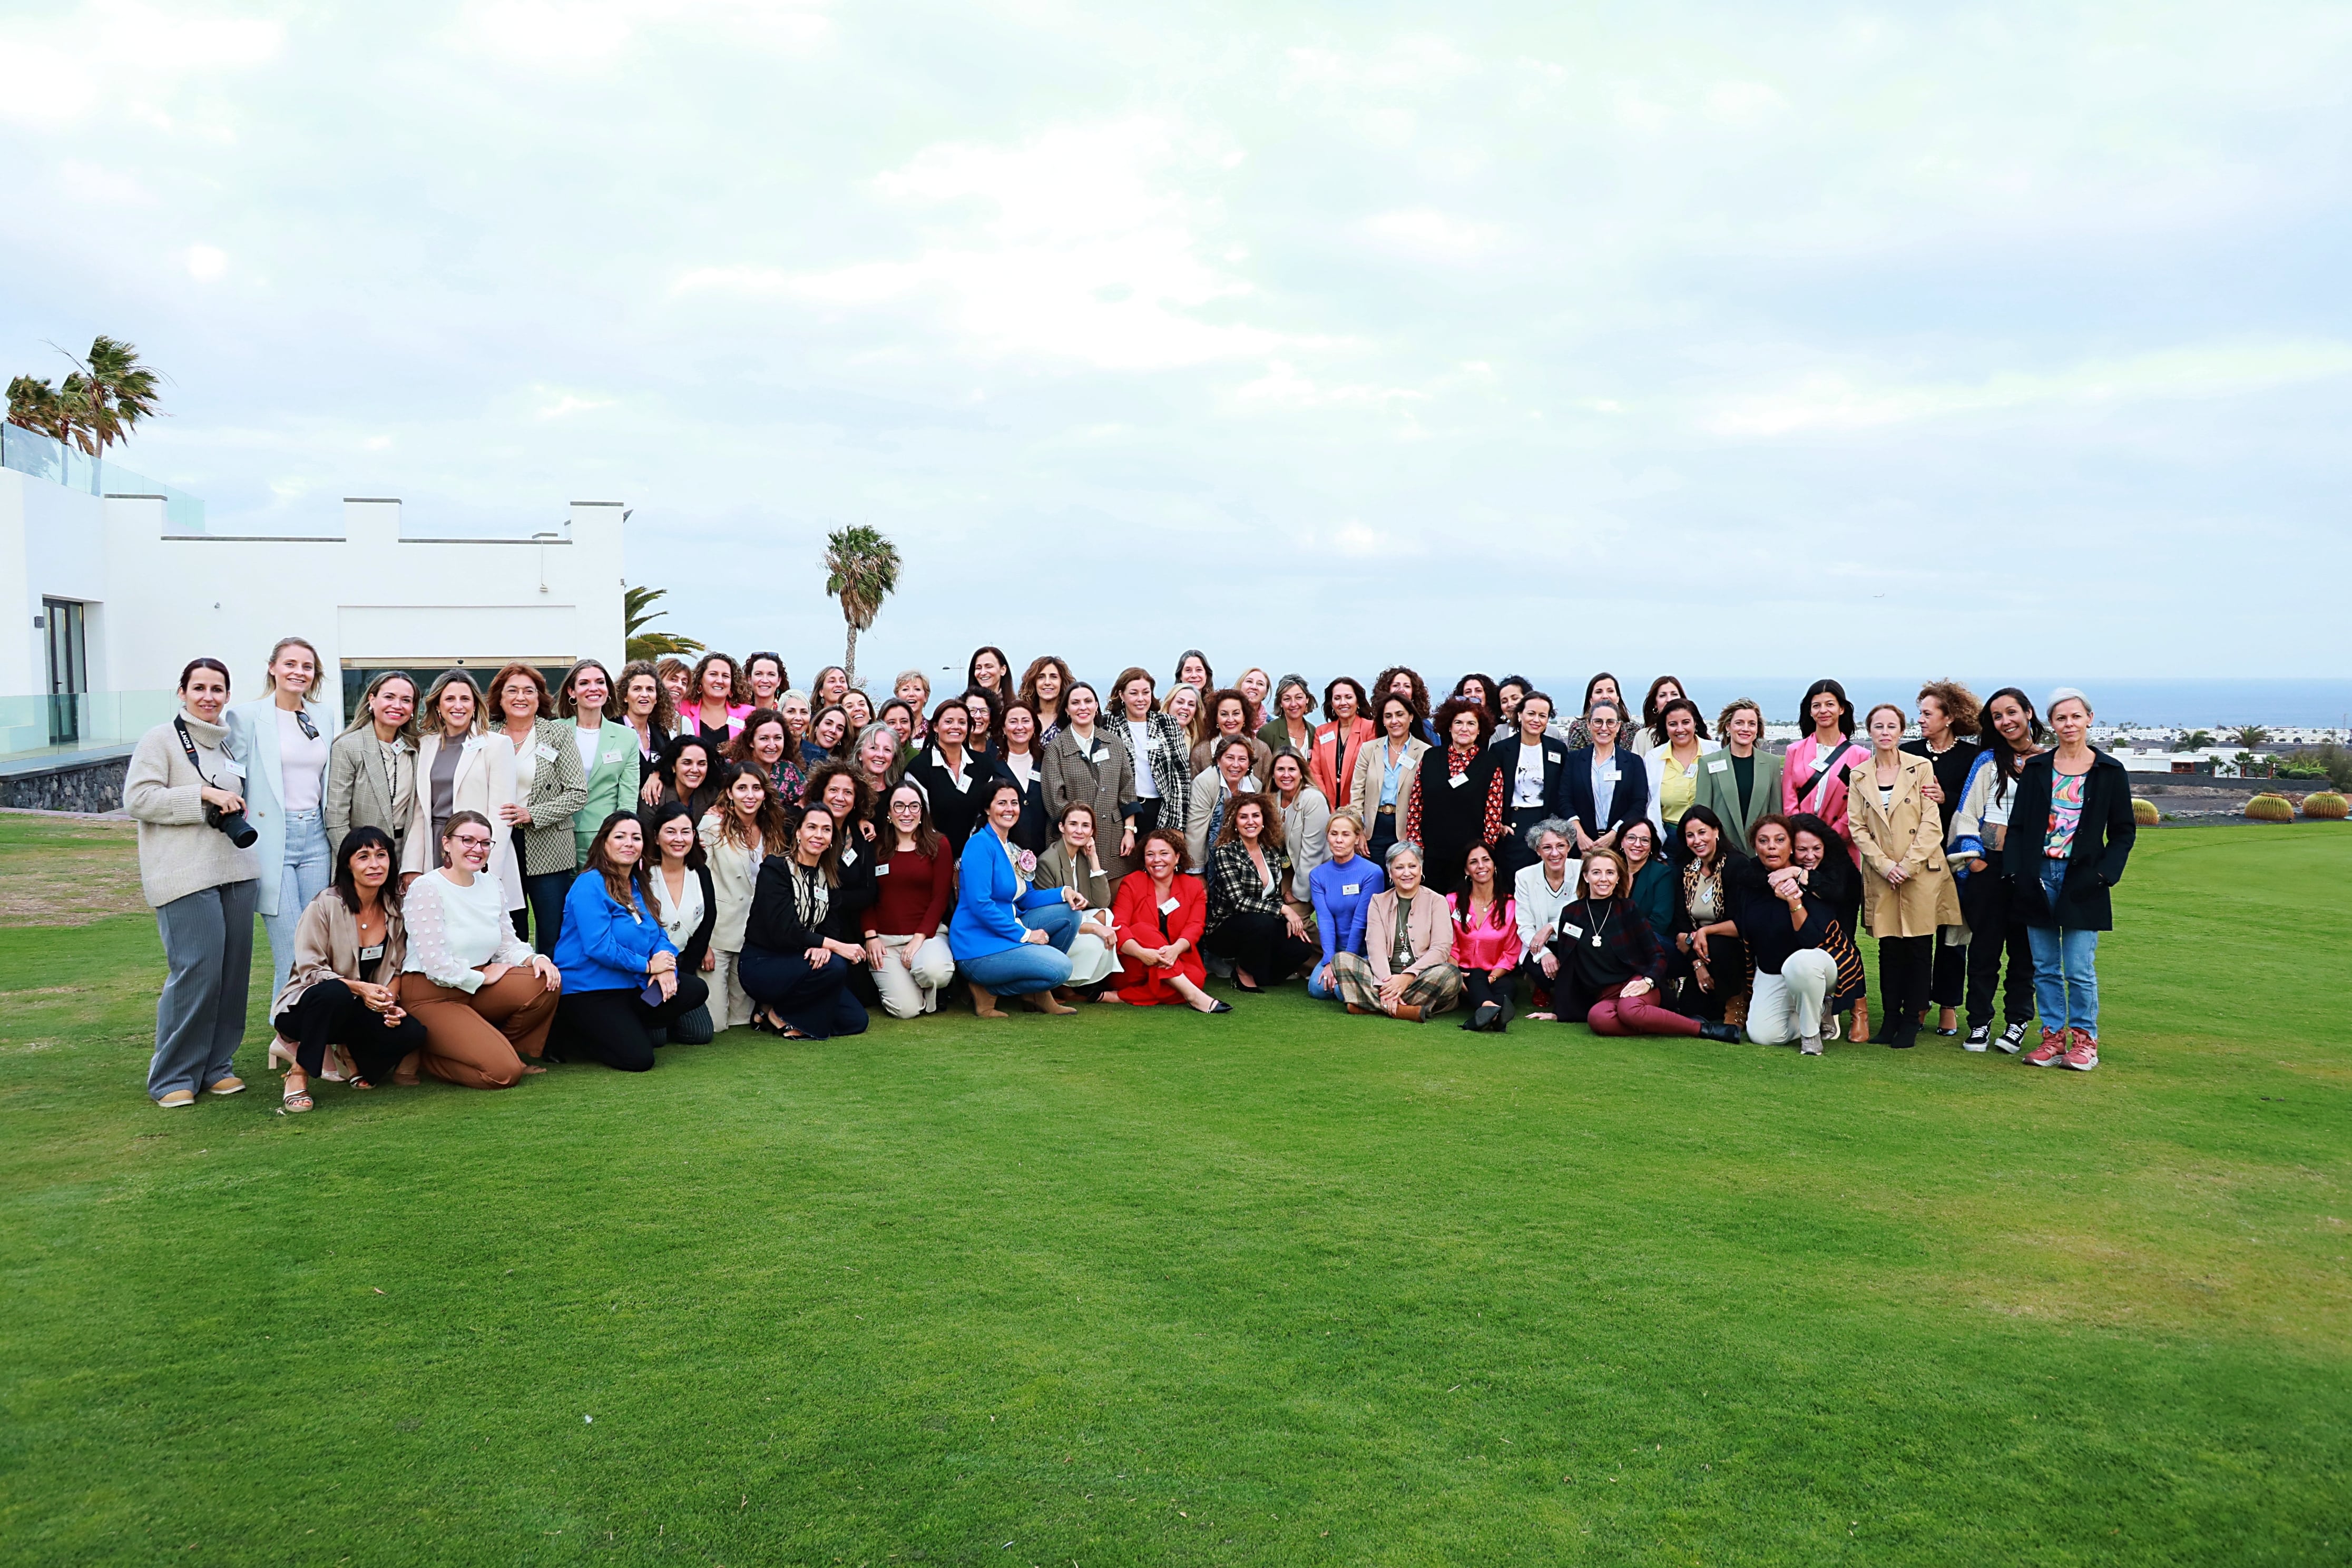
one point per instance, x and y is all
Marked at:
(1171, 770)
(559, 788)
(1101, 773)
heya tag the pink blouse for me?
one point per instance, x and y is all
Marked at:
(1828, 801)
(1485, 947)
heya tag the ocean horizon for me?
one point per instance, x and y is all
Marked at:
(2186, 704)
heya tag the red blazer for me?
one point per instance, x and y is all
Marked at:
(1136, 912)
(1332, 762)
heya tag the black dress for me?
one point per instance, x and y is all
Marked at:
(1452, 815)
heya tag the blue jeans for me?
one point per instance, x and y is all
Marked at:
(2066, 965)
(1315, 987)
(1028, 967)
(302, 875)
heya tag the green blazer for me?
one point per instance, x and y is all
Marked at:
(611, 780)
(1719, 792)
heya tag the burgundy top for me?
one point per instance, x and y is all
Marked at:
(913, 893)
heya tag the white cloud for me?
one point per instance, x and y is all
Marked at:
(63, 67)
(1832, 401)
(1432, 235)
(1093, 243)
(206, 262)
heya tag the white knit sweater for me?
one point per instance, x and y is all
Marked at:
(179, 853)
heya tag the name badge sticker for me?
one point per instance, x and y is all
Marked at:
(546, 753)
(882, 867)
(1458, 780)
(1572, 931)
(1718, 766)
(1352, 888)
(1611, 775)
(849, 855)
(1169, 906)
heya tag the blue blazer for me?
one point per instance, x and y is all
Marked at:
(600, 948)
(987, 898)
(1630, 800)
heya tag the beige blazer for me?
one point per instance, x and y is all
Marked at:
(485, 781)
(1364, 794)
(1907, 832)
(732, 883)
(327, 947)
(1431, 932)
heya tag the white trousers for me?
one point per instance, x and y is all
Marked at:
(730, 1005)
(1788, 1005)
(913, 969)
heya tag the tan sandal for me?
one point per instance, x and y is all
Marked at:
(297, 1100)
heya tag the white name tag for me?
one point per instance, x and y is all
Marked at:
(1169, 906)
(849, 855)
(1098, 755)
(1718, 766)
(613, 756)
(1572, 931)
(546, 753)
(882, 867)
(1611, 775)
(1458, 780)
(1352, 888)
(369, 954)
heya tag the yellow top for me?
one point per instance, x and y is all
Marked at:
(1678, 788)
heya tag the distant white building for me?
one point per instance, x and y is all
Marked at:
(112, 592)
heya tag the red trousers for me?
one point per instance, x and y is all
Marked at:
(1616, 1014)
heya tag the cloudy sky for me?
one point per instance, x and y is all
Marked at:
(1775, 338)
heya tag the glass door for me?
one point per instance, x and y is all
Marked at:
(68, 650)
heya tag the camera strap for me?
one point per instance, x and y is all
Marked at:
(180, 728)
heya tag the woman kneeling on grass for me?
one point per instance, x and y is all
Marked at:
(1406, 968)
(622, 986)
(1792, 931)
(485, 1000)
(347, 951)
(796, 959)
(1161, 900)
(1611, 961)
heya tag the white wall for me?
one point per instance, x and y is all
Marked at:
(359, 591)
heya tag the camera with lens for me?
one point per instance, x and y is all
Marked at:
(240, 832)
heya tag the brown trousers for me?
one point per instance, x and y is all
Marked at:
(479, 1041)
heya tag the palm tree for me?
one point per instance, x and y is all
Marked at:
(97, 406)
(2250, 736)
(642, 644)
(861, 570)
(2195, 741)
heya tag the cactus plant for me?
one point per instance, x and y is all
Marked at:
(2324, 805)
(2144, 812)
(2269, 808)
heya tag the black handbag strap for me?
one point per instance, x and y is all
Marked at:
(180, 728)
(1827, 765)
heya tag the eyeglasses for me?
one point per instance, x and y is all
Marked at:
(471, 841)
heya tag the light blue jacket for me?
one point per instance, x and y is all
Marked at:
(253, 742)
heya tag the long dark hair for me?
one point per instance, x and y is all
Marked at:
(1488, 699)
(618, 883)
(1845, 708)
(972, 668)
(1835, 861)
(660, 818)
(1418, 689)
(768, 823)
(1723, 848)
(1996, 744)
(1468, 890)
(828, 863)
(359, 838)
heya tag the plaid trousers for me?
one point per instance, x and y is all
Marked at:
(1436, 989)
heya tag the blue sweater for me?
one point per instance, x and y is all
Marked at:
(1339, 914)
(988, 897)
(602, 949)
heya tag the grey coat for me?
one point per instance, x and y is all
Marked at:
(1102, 775)
(358, 795)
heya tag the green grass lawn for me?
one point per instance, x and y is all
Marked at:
(1284, 1287)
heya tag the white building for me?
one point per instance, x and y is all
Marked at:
(112, 595)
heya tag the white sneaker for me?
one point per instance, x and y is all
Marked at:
(2012, 1039)
(1979, 1038)
(1811, 1046)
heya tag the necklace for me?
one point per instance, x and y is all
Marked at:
(1601, 924)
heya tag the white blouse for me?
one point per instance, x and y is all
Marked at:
(454, 930)
(678, 919)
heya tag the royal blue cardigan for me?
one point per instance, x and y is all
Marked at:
(985, 921)
(602, 949)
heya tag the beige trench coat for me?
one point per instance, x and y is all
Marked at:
(1907, 832)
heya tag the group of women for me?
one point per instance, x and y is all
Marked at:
(472, 881)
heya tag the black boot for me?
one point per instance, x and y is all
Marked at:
(1727, 1033)
(1905, 1036)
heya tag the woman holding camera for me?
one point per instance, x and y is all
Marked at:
(197, 869)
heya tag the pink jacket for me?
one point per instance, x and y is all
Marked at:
(1487, 948)
(1826, 800)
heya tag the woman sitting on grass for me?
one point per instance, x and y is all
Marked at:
(796, 959)
(1406, 970)
(348, 950)
(1802, 958)
(1611, 961)
(1160, 902)
(485, 1000)
(622, 986)
(1012, 937)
